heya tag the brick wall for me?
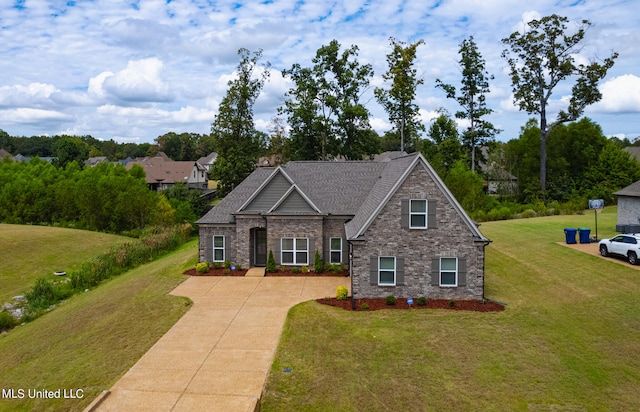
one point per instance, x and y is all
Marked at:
(244, 224)
(205, 241)
(292, 226)
(451, 238)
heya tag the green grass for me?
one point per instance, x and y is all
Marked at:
(92, 339)
(568, 340)
(29, 252)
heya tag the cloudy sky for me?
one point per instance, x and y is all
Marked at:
(134, 70)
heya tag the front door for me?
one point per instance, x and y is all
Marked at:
(260, 247)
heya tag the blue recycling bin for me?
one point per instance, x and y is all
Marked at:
(570, 235)
(584, 233)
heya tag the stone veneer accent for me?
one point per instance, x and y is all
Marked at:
(244, 224)
(451, 238)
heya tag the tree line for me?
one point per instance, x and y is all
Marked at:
(106, 198)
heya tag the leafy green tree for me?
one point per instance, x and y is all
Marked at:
(181, 146)
(237, 141)
(279, 142)
(444, 147)
(466, 185)
(68, 149)
(324, 109)
(540, 58)
(472, 98)
(399, 100)
(614, 170)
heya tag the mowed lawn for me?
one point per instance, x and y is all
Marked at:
(569, 339)
(89, 341)
(28, 252)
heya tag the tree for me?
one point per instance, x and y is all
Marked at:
(475, 85)
(444, 147)
(237, 141)
(181, 146)
(541, 57)
(68, 149)
(398, 101)
(324, 109)
(279, 142)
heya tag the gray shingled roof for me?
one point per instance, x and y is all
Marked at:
(633, 190)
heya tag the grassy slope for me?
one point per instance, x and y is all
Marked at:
(28, 252)
(92, 339)
(568, 340)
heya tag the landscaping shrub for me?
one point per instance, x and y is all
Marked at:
(422, 301)
(342, 292)
(202, 267)
(452, 303)
(318, 265)
(227, 264)
(238, 266)
(304, 269)
(226, 271)
(271, 263)
(217, 265)
(364, 306)
(295, 270)
(390, 300)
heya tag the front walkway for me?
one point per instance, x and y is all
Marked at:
(218, 355)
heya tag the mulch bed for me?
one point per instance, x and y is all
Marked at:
(401, 303)
(216, 272)
(287, 272)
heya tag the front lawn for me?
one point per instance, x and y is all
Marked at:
(568, 340)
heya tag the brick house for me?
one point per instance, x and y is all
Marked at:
(393, 223)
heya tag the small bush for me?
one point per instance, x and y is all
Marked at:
(529, 213)
(342, 292)
(422, 301)
(227, 264)
(202, 267)
(42, 295)
(390, 300)
(452, 303)
(336, 269)
(304, 269)
(238, 266)
(318, 265)
(6, 321)
(271, 263)
(217, 265)
(364, 306)
(226, 271)
(295, 270)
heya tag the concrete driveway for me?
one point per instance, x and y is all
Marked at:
(218, 355)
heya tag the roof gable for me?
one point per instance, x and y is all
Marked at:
(392, 179)
(294, 201)
(268, 194)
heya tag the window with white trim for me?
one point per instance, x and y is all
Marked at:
(294, 251)
(448, 271)
(335, 251)
(418, 213)
(218, 248)
(387, 270)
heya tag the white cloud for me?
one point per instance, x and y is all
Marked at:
(619, 95)
(140, 82)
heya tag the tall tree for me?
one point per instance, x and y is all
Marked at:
(540, 58)
(399, 100)
(472, 98)
(237, 141)
(444, 147)
(323, 107)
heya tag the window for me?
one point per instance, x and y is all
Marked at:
(218, 248)
(335, 251)
(387, 270)
(294, 251)
(448, 271)
(417, 213)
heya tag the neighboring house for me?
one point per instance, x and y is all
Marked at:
(94, 161)
(208, 161)
(498, 181)
(4, 153)
(394, 224)
(161, 172)
(634, 151)
(629, 209)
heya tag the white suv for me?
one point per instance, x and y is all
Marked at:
(627, 245)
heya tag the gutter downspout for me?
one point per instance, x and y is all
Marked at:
(353, 301)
